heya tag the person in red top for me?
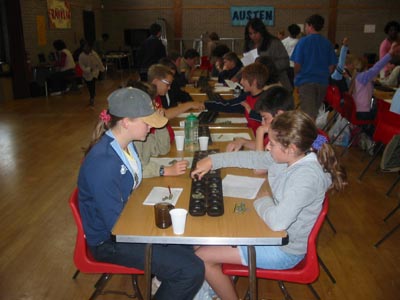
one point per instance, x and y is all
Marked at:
(161, 77)
(253, 80)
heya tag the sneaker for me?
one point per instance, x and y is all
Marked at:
(56, 93)
(362, 142)
(155, 284)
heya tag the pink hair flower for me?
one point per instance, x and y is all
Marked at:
(105, 117)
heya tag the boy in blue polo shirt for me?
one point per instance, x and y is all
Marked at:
(314, 59)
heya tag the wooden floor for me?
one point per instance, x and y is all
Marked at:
(40, 153)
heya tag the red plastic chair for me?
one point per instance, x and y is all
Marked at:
(85, 262)
(349, 112)
(387, 126)
(333, 97)
(205, 64)
(306, 272)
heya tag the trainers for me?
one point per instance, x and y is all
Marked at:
(362, 142)
(56, 93)
(155, 284)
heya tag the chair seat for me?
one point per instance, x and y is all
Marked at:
(298, 274)
(305, 272)
(89, 265)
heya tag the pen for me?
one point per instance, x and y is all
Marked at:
(170, 193)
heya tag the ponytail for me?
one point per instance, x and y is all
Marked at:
(327, 158)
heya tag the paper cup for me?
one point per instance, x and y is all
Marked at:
(203, 141)
(179, 140)
(178, 217)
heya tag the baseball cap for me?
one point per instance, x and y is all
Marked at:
(133, 103)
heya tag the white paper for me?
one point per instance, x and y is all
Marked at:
(222, 89)
(231, 120)
(249, 57)
(228, 137)
(233, 85)
(158, 194)
(241, 186)
(168, 161)
(184, 115)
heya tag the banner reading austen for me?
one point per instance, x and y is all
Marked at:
(59, 13)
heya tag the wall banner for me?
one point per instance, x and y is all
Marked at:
(41, 30)
(240, 15)
(59, 13)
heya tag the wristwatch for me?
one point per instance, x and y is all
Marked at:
(162, 171)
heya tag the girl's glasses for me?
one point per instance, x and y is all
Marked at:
(165, 81)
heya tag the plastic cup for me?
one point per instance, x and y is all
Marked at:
(179, 140)
(203, 140)
(178, 217)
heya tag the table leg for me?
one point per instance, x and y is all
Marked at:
(147, 270)
(251, 252)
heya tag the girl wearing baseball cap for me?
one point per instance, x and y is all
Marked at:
(110, 172)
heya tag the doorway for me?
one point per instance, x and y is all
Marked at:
(89, 26)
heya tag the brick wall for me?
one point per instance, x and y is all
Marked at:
(32, 8)
(200, 16)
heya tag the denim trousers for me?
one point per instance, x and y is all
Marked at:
(176, 266)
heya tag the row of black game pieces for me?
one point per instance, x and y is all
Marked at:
(207, 117)
(206, 88)
(205, 131)
(206, 195)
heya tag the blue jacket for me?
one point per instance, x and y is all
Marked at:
(105, 183)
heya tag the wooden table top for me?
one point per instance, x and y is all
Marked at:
(137, 224)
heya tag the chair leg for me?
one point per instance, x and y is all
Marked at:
(371, 161)
(330, 121)
(136, 289)
(99, 286)
(330, 224)
(393, 186)
(391, 213)
(76, 274)
(314, 292)
(387, 235)
(326, 270)
(284, 290)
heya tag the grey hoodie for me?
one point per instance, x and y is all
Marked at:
(298, 192)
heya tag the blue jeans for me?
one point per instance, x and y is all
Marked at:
(176, 266)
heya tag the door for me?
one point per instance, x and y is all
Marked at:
(89, 27)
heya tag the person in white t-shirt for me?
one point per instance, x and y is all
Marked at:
(289, 43)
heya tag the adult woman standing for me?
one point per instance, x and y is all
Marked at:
(256, 36)
(392, 30)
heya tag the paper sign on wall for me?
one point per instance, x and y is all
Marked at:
(41, 30)
(59, 13)
(369, 28)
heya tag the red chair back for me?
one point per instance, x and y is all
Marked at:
(78, 70)
(387, 125)
(205, 64)
(333, 97)
(307, 271)
(83, 259)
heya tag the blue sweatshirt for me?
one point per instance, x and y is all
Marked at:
(105, 183)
